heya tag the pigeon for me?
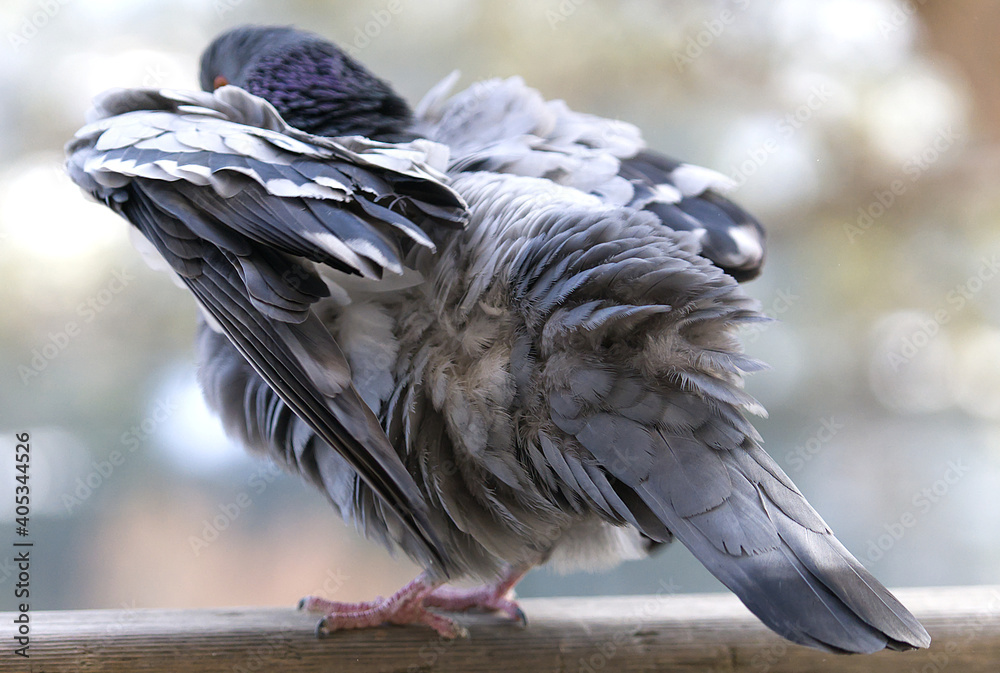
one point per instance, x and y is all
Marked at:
(494, 332)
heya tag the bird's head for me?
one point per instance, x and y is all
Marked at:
(315, 86)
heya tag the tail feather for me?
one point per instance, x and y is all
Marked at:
(727, 501)
(852, 583)
(802, 583)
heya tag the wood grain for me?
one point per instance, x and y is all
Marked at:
(580, 635)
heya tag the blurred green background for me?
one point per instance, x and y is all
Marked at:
(863, 133)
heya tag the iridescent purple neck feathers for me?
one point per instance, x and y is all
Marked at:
(314, 86)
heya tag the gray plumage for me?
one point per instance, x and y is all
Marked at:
(508, 341)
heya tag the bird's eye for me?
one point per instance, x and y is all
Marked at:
(219, 81)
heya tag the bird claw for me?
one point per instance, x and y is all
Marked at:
(519, 616)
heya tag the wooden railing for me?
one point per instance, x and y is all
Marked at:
(572, 635)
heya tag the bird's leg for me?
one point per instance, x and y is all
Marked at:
(406, 606)
(496, 597)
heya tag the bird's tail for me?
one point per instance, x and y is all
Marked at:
(672, 463)
(803, 583)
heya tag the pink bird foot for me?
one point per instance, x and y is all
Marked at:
(410, 605)
(497, 597)
(406, 606)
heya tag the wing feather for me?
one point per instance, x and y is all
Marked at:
(241, 206)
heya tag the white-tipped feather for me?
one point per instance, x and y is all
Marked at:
(692, 180)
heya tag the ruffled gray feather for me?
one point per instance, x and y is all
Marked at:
(505, 126)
